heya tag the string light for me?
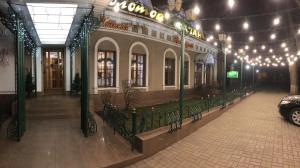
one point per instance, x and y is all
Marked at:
(263, 47)
(217, 27)
(283, 45)
(276, 21)
(273, 36)
(215, 43)
(246, 25)
(196, 10)
(229, 39)
(251, 38)
(231, 3)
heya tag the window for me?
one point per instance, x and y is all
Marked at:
(106, 69)
(138, 68)
(169, 38)
(162, 35)
(169, 72)
(154, 33)
(135, 29)
(186, 72)
(144, 30)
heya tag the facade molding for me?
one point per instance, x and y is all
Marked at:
(99, 41)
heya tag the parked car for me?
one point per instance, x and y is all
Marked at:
(289, 108)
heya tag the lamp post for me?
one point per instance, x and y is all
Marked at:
(222, 39)
(181, 92)
(253, 75)
(242, 71)
(181, 30)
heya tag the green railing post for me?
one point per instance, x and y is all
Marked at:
(133, 127)
(20, 82)
(84, 79)
(152, 111)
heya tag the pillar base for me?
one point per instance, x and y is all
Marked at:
(294, 89)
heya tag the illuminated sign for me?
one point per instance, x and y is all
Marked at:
(139, 9)
(233, 74)
(134, 7)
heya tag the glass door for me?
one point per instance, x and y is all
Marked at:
(53, 70)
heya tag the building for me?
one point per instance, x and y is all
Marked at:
(126, 46)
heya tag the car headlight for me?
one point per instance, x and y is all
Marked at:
(285, 102)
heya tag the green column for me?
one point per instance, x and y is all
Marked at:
(253, 75)
(34, 66)
(71, 70)
(181, 91)
(224, 77)
(242, 71)
(84, 79)
(20, 82)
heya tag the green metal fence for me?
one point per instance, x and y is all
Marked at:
(130, 123)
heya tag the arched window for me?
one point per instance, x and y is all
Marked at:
(138, 71)
(107, 55)
(170, 68)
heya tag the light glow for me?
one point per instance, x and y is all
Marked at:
(273, 36)
(196, 10)
(276, 21)
(231, 3)
(246, 25)
(217, 27)
(52, 21)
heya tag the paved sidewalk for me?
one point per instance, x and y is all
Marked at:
(252, 134)
(59, 143)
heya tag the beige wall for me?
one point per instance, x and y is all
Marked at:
(124, 42)
(7, 72)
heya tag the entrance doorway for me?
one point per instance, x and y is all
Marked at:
(53, 71)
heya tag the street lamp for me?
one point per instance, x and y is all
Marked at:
(180, 28)
(222, 39)
(242, 72)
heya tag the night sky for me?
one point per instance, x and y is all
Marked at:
(217, 11)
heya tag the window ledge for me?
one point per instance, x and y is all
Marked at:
(108, 88)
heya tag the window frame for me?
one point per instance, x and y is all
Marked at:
(105, 69)
(167, 74)
(136, 71)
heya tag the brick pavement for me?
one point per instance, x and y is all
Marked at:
(250, 135)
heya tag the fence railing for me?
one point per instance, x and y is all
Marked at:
(130, 123)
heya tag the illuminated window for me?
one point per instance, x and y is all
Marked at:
(138, 69)
(106, 69)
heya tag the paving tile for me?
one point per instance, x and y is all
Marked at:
(250, 135)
